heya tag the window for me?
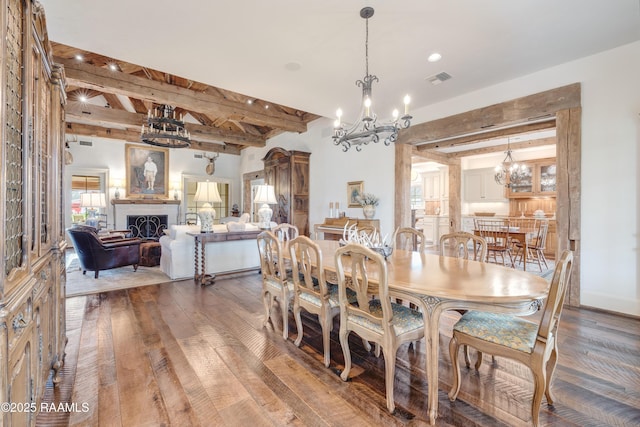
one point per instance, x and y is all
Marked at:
(417, 201)
(81, 184)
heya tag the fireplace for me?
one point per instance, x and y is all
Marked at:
(147, 227)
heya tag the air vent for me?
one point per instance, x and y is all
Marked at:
(438, 78)
(86, 143)
(197, 156)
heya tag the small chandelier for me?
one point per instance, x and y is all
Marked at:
(164, 130)
(509, 172)
(366, 128)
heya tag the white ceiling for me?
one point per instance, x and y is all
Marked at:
(248, 46)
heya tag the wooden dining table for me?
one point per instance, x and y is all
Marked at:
(437, 283)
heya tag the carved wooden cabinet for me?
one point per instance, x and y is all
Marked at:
(539, 179)
(32, 300)
(288, 172)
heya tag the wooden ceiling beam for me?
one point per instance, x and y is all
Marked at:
(106, 116)
(81, 129)
(503, 147)
(433, 156)
(521, 110)
(104, 80)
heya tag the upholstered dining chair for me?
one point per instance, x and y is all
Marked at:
(461, 244)
(408, 238)
(275, 282)
(379, 320)
(311, 291)
(534, 344)
(285, 232)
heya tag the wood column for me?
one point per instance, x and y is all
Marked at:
(402, 210)
(455, 196)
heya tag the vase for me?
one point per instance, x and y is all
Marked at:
(369, 211)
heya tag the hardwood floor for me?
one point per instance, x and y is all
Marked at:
(181, 355)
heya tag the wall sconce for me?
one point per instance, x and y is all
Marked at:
(116, 183)
(176, 190)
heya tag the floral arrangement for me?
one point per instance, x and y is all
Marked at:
(367, 199)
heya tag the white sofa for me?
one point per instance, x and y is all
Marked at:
(177, 258)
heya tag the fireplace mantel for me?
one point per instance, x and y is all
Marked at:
(144, 202)
(124, 207)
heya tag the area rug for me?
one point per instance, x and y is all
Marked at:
(109, 280)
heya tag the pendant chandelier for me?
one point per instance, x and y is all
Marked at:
(164, 130)
(509, 172)
(366, 128)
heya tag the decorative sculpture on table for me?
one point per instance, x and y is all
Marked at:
(207, 192)
(373, 240)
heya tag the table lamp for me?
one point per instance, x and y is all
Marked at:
(266, 195)
(92, 202)
(207, 192)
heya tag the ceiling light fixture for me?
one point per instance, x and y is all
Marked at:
(509, 172)
(366, 128)
(164, 130)
(434, 57)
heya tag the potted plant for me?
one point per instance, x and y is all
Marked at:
(368, 202)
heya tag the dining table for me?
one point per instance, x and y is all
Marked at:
(438, 283)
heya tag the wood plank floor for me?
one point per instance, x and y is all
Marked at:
(181, 355)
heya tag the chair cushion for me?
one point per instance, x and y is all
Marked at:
(333, 295)
(276, 284)
(509, 331)
(405, 319)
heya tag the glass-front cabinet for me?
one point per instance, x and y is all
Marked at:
(536, 178)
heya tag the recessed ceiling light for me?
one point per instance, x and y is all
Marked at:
(79, 57)
(249, 101)
(266, 106)
(434, 57)
(83, 98)
(113, 67)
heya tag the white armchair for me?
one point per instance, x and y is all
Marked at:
(178, 251)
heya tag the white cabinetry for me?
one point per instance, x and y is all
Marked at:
(468, 224)
(480, 186)
(433, 227)
(432, 186)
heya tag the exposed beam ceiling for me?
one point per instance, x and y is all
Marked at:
(228, 121)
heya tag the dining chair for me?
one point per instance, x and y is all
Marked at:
(536, 246)
(534, 344)
(461, 244)
(408, 238)
(311, 291)
(496, 233)
(379, 320)
(275, 282)
(285, 232)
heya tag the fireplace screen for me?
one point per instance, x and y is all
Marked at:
(148, 227)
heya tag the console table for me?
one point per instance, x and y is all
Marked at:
(200, 276)
(332, 228)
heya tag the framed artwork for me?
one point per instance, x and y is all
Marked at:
(147, 171)
(354, 189)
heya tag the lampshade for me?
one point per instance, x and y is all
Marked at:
(265, 194)
(93, 200)
(207, 192)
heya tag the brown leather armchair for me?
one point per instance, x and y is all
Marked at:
(95, 254)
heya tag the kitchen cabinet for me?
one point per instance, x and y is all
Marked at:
(539, 179)
(481, 186)
(433, 226)
(432, 186)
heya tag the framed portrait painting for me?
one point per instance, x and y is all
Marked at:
(147, 171)
(354, 189)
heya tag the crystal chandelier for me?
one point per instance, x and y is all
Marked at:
(164, 130)
(366, 128)
(509, 172)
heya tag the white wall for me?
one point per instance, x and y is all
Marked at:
(610, 160)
